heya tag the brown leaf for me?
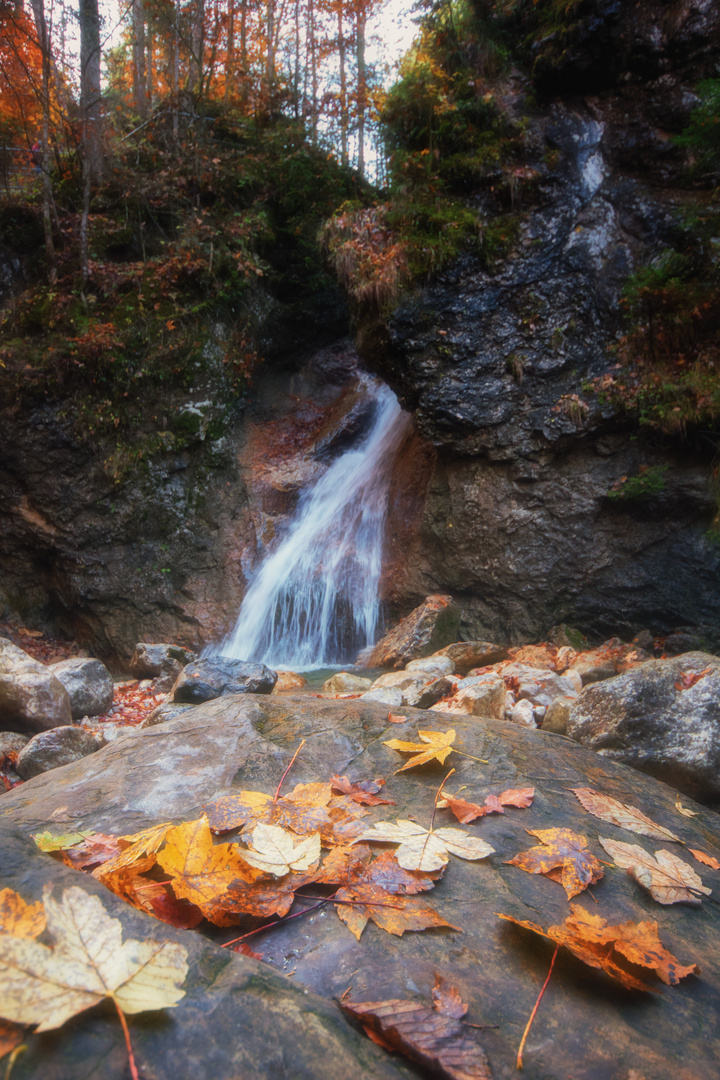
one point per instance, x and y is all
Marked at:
(393, 913)
(683, 809)
(153, 897)
(689, 678)
(434, 746)
(439, 1043)
(97, 849)
(395, 719)
(610, 948)
(563, 857)
(262, 899)
(625, 817)
(361, 791)
(667, 878)
(11, 1035)
(230, 811)
(703, 858)
(466, 812)
(446, 999)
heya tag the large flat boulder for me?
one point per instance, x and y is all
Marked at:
(587, 1027)
(31, 698)
(662, 717)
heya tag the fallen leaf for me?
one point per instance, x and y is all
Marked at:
(394, 914)
(394, 718)
(89, 962)
(446, 999)
(434, 746)
(689, 678)
(592, 940)
(683, 809)
(275, 851)
(230, 811)
(20, 918)
(364, 792)
(95, 850)
(703, 858)
(667, 878)
(262, 899)
(439, 1043)
(563, 857)
(200, 870)
(466, 812)
(11, 1035)
(421, 849)
(48, 841)
(620, 814)
(245, 950)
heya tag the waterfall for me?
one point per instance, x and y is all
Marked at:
(313, 601)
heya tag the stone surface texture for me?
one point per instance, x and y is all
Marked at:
(51, 749)
(244, 1018)
(425, 630)
(31, 697)
(213, 676)
(658, 719)
(89, 685)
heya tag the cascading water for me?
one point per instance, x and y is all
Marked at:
(313, 602)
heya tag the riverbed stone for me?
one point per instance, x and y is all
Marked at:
(662, 717)
(387, 695)
(89, 685)
(248, 1019)
(289, 680)
(31, 698)
(432, 624)
(473, 654)
(437, 664)
(213, 676)
(484, 696)
(424, 697)
(51, 749)
(151, 659)
(557, 715)
(344, 682)
(12, 742)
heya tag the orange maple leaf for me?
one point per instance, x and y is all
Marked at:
(563, 857)
(466, 812)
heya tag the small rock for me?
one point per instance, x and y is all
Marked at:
(89, 685)
(557, 715)
(565, 656)
(682, 642)
(51, 749)
(427, 696)
(425, 630)
(11, 742)
(212, 677)
(388, 695)
(438, 664)
(537, 656)
(486, 697)
(403, 680)
(473, 654)
(168, 710)
(564, 635)
(289, 680)
(645, 641)
(150, 660)
(31, 697)
(523, 713)
(344, 682)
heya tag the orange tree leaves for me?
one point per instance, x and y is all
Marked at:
(563, 857)
(616, 813)
(434, 1037)
(309, 808)
(466, 812)
(667, 878)
(362, 791)
(617, 950)
(709, 860)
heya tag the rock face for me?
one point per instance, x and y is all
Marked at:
(31, 697)
(151, 661)
(662, 718)
(425, 630)
(247, 1019)
(89, 685)
(51, 749)
(212, 677)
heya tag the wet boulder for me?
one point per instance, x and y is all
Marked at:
(214, 676)
(51, 749)
(480, 695)
(159, 661)
(466, 655)
(437, 665)
(31, 697)
(435, 623)
(89, 685)
(289, 680)
(344, 682)
(662, 717)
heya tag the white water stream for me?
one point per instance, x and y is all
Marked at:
(313, 602)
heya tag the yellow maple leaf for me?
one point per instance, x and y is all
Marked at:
(20, 918)
(435, 746)
(278, 852)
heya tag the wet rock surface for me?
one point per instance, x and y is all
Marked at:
(425, 630)
(244, 1016)
(211, 677)
(662, 718)
(51, 749)
(89, 685)
(31, 698)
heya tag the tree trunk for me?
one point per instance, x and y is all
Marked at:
(38, 8)
(197, 45)
(343, 88)
(361, 84)
(139, 70)
(176, 74)
(230, 56)
(90, 100)
(270, 57)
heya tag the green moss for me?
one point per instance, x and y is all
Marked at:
(650, 481)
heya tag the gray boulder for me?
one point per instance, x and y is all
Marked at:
(662, 718)
(11, 742)
(435, 623)
(214, 676)
(159, 661)
(51, 749)
(31, 697)
(89, 685)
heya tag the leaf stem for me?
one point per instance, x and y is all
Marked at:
(437, 797)
(292, 762)
(482, 760)
(277, 922)
(519, 1063)
(126, 1032)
